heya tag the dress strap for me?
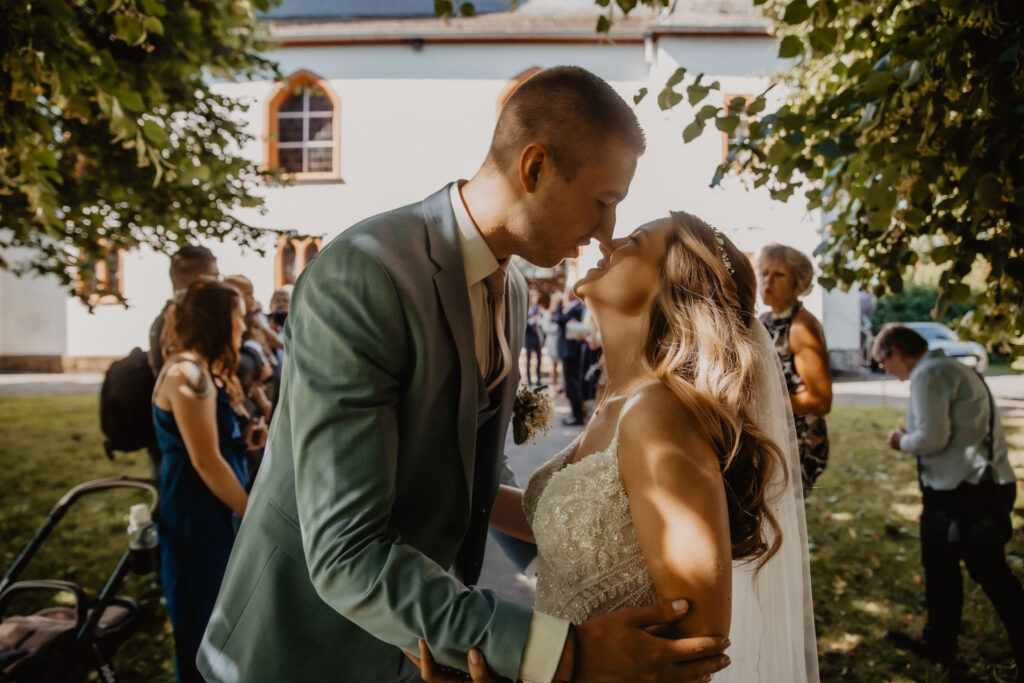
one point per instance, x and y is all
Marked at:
(630, 395)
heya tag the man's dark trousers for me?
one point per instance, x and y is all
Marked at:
(970, 523)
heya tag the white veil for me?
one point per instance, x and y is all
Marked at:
(772, 629)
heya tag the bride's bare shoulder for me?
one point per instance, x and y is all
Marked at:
(656, 424)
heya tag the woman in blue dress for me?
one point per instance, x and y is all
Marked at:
(195, 405)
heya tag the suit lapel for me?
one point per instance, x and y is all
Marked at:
(450, 282)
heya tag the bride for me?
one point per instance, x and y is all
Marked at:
(684, 483)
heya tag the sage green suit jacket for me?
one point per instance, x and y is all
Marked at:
(380, 471)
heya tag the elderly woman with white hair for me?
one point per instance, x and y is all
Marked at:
(784, 275)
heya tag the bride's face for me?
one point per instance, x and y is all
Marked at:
(629, 274)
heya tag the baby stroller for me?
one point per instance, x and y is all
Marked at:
(61, 644)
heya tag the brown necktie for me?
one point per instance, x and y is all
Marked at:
(500, 357)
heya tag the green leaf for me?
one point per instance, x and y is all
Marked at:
(791, 46)
(640, 95)
(443, 8)
(154, 132)
(914, 216)
(941, 254)
(153, 8)
(467, 9)
(676, 77)
(707, 111)
(757, 106)
(626, 5)
(959, 292)
(695, 93)
(823, 39)
(736, 104)
(153, 25)
(130, 99)
(727, 124)
(796, 12)
(603, 25)
(668, 98)
(693, 130)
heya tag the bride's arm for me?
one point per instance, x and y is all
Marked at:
(678, 505)
(508, 517)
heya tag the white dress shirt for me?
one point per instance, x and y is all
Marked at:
(546, 638)
(947, 425)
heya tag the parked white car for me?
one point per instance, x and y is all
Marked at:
(972, 354)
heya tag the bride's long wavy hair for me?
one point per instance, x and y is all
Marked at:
(699, 343)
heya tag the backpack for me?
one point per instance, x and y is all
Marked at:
(126, 398)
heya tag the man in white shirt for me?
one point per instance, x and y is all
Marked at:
(967, 486)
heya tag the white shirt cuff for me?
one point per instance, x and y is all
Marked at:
(544, 644)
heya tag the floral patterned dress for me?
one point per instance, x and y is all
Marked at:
(811, 431)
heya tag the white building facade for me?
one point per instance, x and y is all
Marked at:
(405, 104)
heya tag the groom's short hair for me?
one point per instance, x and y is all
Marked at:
(569, 111)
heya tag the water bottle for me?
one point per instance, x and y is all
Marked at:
(143, 543)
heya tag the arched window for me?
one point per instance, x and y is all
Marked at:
(102, 280)
(304, 128)
(293, 255)
(742, 130)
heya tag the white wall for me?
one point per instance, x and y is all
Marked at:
(30, 323)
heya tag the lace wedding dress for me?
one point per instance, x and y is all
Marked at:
(588, 558)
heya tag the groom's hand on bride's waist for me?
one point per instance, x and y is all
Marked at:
(619, 646)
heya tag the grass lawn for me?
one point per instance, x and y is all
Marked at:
(862, 523)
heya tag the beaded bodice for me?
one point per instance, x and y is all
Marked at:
(588, 558)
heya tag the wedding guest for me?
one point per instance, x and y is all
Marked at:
(188, 264)
(570, 351)
(967, 488)
(533, 340)
(195, 413)
(785, 275)
(551, 336)
(256, 323)
(280, 303)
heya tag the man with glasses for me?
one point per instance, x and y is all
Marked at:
(968, 488)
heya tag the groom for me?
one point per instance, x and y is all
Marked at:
(366, 528)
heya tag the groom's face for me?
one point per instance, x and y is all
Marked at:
(561, 216)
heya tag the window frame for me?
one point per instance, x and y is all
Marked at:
(272, 143)
(300, 245)
(102, 276)
(726, 99)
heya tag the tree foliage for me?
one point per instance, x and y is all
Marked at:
(913, 304)
(901, 121)
(111, 134)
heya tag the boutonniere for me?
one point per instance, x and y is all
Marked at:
(531, 413)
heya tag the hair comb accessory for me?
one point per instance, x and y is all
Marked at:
(721, 251)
